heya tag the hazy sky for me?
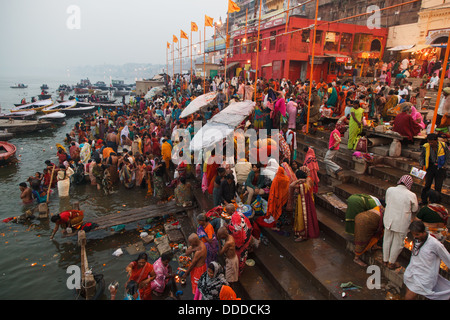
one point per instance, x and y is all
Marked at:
(35, 36)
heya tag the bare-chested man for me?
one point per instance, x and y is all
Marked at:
(26, 193)
(198, 263)
(111, 140)
(228, 250)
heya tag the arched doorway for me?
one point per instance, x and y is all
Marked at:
(375, 45)
(442, 40)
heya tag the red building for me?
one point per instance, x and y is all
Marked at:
(339, 47)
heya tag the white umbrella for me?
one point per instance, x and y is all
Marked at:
(198, 103)
(153, 91)
(210, 134)
(235, 113)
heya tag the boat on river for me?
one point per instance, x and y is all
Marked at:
(19, 86)
(24, 126)
(7, 151)
(55, 117)
(60, 106)
(5, 135)
(79, 109)
(23, 115)
(37, 106)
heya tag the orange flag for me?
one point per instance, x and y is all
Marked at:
(168, 45)
(208, 21)
(233, 7)
(194, 26)
(183, 35)
(175, 39)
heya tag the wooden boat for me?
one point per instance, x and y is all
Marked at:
(19, 86)
(55, 117)
(44, 96)
(44, 87)
(37, 106)
(26, 114)
(5, 135)
(24, 126)
(60, 106)
(77, 110)
(7, 151)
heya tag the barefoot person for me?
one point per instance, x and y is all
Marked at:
(228, 250)
(198, 263)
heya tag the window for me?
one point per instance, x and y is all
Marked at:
(331, 41)
(346, 42)
(319, 36)
(305, 35)
(273, 40)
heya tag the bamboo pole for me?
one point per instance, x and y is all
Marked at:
(50, 184)
(204, 60)
(441, 84)
(312, 65)
(287, 16)
(257, 47)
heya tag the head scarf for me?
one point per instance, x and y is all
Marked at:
(407, 181)
(210, 287)
(279, 193)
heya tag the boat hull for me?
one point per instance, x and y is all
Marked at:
(7, 151)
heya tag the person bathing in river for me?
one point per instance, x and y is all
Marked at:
(26, 194)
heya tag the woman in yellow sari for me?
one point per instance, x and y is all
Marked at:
(390, 105)
(355, 125)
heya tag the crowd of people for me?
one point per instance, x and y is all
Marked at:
(132, 146)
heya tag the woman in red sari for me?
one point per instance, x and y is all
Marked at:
(211, 171)
(141, 271)
(306, 225)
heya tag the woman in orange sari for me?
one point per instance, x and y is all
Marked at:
(141, 271)
(211, 171)
(278, 197)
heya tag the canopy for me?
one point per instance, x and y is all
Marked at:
(417, 47)
(235, 113)
(221, 125)
(198, 103)
(209, 134)
(400, 48)
(153, 91)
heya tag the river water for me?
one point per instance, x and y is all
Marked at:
(32, 266)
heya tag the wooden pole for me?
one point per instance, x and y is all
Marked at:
(312, 66)
(181, 57)
(226, 57)
(88, 284)
(257, 47)
(441, 84)
(50, 184)
(173, 59)
(191, 53)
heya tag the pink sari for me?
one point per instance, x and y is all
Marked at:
(162, 272)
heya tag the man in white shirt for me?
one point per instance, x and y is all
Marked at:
(434, 81)
(402, 91)
(400, 204)
(422, 274)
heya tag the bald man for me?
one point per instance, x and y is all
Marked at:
(198, 264)
(228, 250)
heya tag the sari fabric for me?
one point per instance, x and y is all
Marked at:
(211, 248)
(354, 129)
(139, 275)
(356, 204)
(240, 228)
(368, 230)
(306, 224)
(313, 166)
(210, 287)
(162, 273)
(279, 194)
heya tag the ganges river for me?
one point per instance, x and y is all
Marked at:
(32, 266)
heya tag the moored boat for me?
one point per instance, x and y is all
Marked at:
(37, 106)
(60, 106)
(77, 110)
(55, 117)
(24, 126)
(26, 114)
(7, 151)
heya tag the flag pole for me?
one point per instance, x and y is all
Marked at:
(441, 84)
(204, 61)
(287, 16)
(173, 59)
(191, 53)
(167, 63)
(312, 66)
(257, 47)
(181, 57)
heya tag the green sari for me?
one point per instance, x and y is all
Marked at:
(356, 204)
(354, 129)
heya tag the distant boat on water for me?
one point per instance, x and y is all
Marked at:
(19, 86)
(44, 87)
